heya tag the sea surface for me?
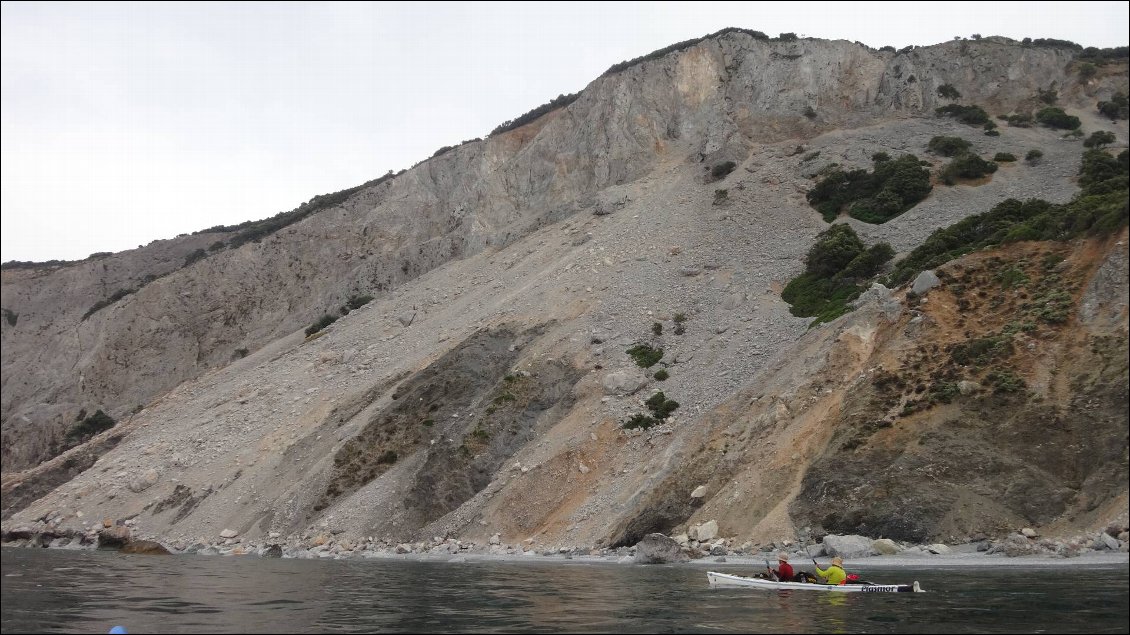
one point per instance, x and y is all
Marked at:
(90, 592)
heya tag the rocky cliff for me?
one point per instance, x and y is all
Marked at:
(484, 389)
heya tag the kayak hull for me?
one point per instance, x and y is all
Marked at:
(726, 580)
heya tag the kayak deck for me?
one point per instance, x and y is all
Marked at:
(726, 580)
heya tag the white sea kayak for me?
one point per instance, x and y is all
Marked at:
(727, 580)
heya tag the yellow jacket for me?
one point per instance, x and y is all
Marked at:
(834, 574)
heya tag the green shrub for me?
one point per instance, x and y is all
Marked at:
(835, 247)
(322, 323)
(980, 351)
(557, 102)
(639, 421)
(1004, 157)
(388, 457)
(240, 353)
(903, 180)
(89, 427)
(1098, 209)
(1053, 117)
(810, 112)
(835, 266)
(721, 170)
(657, 328)
(948, 146)
(1005, 381)
(880, 157)
(660, 406)
(645, 355)
(1034, 156)
(1087, 70)
(1020, 120)
(11, 316)
(661, 374)
(101, 304)
(355, 302)
(969, 115)
(199, 254)
(947, 91)
(1049, 96)
(720, 196)
(967, 166)
(1099, 138)
(1116, 108)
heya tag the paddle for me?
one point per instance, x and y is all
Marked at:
(770, 570)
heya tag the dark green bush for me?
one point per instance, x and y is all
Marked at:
(948, 146)
(355, 302)
(1099, 138)
(101, 304)
(720, 170)
(967, 166)
(787, 37)
(1116, 108)
(1100, 208)
(660, 406)
(948, 91)
(639, 421)
(11, 316)
(322, 323)
(810, 112)
(388, 457)
(969, 115)
(661, 374)
(557, 102)
(1034, 156)
(199, 254)
(892, 188)
(679, 46)
(1020, 120)
(835, 247)
(1049, 96)
(645, 355)
(1053, 117)
(657, 328)
(1004, 157)
(836, 267)
(89, 427)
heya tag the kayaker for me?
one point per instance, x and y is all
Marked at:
(834, 574)
(784, 570)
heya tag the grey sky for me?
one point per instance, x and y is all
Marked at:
(124, 123)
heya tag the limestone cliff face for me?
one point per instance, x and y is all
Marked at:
(713, 99)
(490, 410)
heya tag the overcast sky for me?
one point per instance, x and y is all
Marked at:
(124, 123)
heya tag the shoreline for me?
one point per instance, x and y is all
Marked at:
(971, 560)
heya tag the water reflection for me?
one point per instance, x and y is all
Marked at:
(53, 591)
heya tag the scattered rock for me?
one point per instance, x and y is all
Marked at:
(885, 546)
(699, 492)
(229, 533)
(847, 546)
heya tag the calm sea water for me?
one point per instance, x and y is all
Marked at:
(89, 592)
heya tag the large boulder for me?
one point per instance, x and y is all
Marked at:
(847, 546)
(885, 546)
(924, 282)
(145, 548)
(623, 382)
(659, 549)
(113, 538)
